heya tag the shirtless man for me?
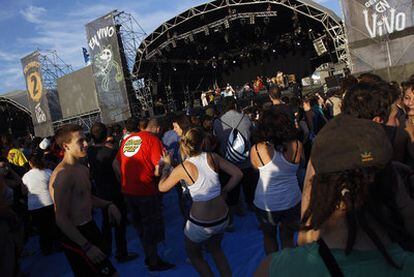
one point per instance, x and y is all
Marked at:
(70, 186)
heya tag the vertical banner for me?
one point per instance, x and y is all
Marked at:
(380, 33)
(107, 69)
(39, 105)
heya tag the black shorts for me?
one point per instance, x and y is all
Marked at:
(79, 262)
(268, 219)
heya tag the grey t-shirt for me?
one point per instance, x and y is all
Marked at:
(223, 127)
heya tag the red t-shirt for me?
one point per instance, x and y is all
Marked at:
(138, 155)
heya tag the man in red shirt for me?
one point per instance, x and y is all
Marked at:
(137, 165)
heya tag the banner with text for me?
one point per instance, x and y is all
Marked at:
(380, 32)
(37, 95)
(107, 69)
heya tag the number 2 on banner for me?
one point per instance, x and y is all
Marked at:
(34, 85)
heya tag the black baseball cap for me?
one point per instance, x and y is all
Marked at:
(348, 143)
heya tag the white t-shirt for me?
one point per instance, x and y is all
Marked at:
(37, 182)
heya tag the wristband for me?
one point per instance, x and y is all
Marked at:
(86, 246)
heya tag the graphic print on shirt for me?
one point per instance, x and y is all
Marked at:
(132, 146)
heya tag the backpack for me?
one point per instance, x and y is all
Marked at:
(237, 146)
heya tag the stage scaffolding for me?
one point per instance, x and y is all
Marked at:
(132, 34)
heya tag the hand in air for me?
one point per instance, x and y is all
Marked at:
(166, 157)
(114, 214)
(95, 254)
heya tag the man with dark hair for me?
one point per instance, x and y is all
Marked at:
(107, 187)
(370, 78)
(136, 165)
(373, 101)
(275, 95)
(231, 120)
(70, 188)
(131, 126)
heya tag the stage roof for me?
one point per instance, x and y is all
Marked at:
(231, 27)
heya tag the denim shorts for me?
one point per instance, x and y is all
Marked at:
(198, 233)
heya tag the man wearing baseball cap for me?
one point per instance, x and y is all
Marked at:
(353, 206)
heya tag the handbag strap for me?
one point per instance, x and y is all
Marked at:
(329, 259)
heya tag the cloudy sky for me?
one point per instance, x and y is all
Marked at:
(59, 25)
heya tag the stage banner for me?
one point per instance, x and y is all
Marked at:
(37, 95)
(380, 33)
(107, 69)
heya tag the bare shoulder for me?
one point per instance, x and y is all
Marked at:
(61, 176)
(261, 152)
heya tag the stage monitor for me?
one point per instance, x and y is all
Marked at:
(77, 93)
(37, 95)
(380, 33)
(104, 50)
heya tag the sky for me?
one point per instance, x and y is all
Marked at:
(27, 25)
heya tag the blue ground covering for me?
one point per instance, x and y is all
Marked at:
(243, 248)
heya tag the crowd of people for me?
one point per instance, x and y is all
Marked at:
(336, 169)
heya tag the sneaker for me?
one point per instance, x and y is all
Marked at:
(160, 266)
(126, 258)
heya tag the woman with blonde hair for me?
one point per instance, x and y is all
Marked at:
(208, 217)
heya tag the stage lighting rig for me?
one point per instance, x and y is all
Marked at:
(252, 19)
(226, 24)
(320, 46)
(191, 37)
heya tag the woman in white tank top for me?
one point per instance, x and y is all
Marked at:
(277, 197)
(209, 213)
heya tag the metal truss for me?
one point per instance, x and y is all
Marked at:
(329, 20)
(85, 120)
(53, 67)
(15, 104)
(132, 34)
(143, 92)
(170, 99)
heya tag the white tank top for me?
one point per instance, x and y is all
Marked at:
(207, 186)
(277, 188)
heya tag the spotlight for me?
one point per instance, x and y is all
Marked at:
(206, 31)
(226, 24)
(174, 68)
(274, 50)
(252, 21)
(298, 43)
(234, 61)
